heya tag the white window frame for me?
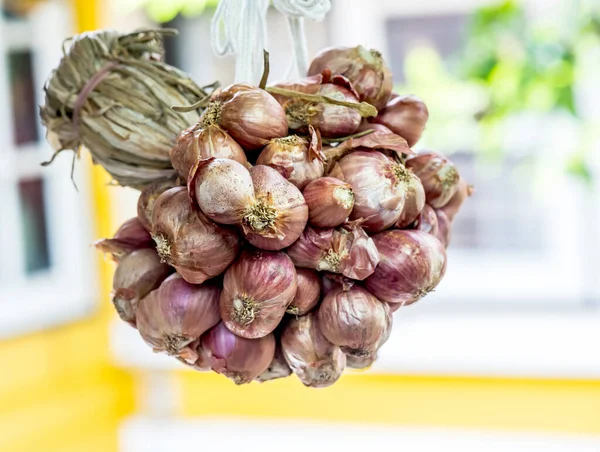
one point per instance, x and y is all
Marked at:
(68, 289)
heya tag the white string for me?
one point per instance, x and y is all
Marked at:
(296, 11)
(239, 27)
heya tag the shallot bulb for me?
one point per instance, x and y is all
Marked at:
(148, 197)
(250, 115)
(412, 264)
(330, 119)
(257, 289)
(366, 125)
(347, 250)
(329, 201)
(360, 362)
(240, 359)
(307, 295)
(405, 116)
(427, 221)
(316, 361)
(379, 186)
(177, 313)
(354, 320)
(438, 175)
(137, 274)
(365, 68)
(277, 369)
(444, 227)
(463, 191)
(203, 141)
(130, 236)
(413, 203)
(295, 158)
(270, 210)
(198, 248)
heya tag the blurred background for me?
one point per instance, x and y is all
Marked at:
(503, 356)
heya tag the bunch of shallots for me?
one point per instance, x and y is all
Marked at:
(299, 221)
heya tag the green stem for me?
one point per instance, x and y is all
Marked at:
(266, 70)
(187, 108)
(346, 138)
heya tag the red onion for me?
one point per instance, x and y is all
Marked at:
(316, 361)
(354, 320)
(257, 290)
(270, 210)
(277, 369)
(347, 250)
(330, 281)
(295, 158)
(242, 360)
(405, 116)
(427, 221)
(130, 236)
(198, 248)
(414, 202)
(412, 264)
(250, 115)
(177, 313)
(138, 273)
(307, 295)
(438, 176)
(329, 201)
(203, 141)
(148, 197)
(444, 227)
(379, 187)
(365, 68)
(463, 191)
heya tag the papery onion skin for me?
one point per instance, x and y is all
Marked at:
(330, 201)
(414, 202)
(438, 175)
(356, 362)
(195, 356)
(412, 265)
(177, 313)
(405, 116)
(379, 187)
(186, 239)
(354, 320)
(316, 361)
(366, 125)
(295, 158)
(239, 359)
(148, 197)
(444, 227)
(252, 117)
(365, 68)
(463, 192)
(201, 142)
(280, 213)
(257, 289)
(427, 221)
(277, 369)
(130, 236)
(308, 293)
(136, 276)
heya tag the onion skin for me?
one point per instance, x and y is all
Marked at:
(257, 289)
(427, 221)
(239, 359)
(366, 125)
(330, 201)
(308, 293)
(201, 142)
(355, 362)
(405, 116)
(130, 236)
(148, 197)
(177, 313)
(348, 251)
(444, 227)
(277, 369)
(136, 276)
(295, 158)
(365, 68)
(379, 187)
(316, 361)
(195, 356)
(186, 239)
(438, 175)
(354, 320)
(412, 265)
(463, 192)
(413, 203)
